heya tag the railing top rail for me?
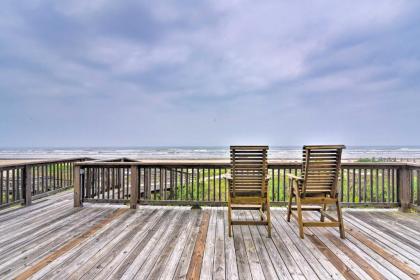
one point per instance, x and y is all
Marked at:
(414, 165)
(123, 159)
(40, 162)
(226, 164)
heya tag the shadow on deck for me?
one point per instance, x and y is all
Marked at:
(51, 239)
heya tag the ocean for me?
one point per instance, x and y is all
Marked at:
(275, 152)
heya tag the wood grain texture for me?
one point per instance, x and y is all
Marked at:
(66, 247)
(194, 268)
(53, 240)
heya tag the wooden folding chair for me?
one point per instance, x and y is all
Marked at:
(317, 186)
(248, 183)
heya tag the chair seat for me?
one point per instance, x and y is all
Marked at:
(256, 194)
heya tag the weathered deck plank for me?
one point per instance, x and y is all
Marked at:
(169, 270)
(219, 267)
(400, 249)
(321, 265)
(53, 240)
(230, 255)
(107, 265)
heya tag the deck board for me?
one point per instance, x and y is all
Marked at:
(53, 240)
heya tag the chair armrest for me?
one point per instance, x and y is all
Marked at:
(227, 176)
(294, 177)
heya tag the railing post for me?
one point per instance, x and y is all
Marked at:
(418, 187)
(27, 185)
(134, 186)
(404, 188)
(77, 187)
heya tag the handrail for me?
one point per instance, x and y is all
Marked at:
(226, 163)
(48, 161)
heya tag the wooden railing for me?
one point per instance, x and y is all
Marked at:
(203, 183)
(21, 183)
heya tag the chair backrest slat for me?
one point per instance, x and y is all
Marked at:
(249, 169)
(320, 169)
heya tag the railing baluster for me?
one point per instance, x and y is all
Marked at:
(95, 181)
(354, 185)
(1, 186)
(102, 191)
(359, 177)
(13, 185)
(191, 187)
(118, 172)
(47, 171)
(126, 183)
(348, 185)
(364, 186)
(388, 176)
(198, 184)
(92, 181)
(96, 178)
(276, 181)
(191, 192)
(226, 184)
(394, 185)
(53, 175)
(273, 193)
(383, 184)
(371, 185)
(64, 175)
(377, 185)
(154, 183)
(220, 184)
(284, 183)
(214, 184)
(63, 179)
(175, 190)
(146, 182)
(342, 185)
(7, 186)
(203, 185)
(57, 177)
(418, 187)
(208, 184)
(389, 196)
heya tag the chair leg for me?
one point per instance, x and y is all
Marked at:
(340, 220)
(300, 219)
(268, 218)
(230, 217)
(324, 208)
(289, 207)
(262, 209)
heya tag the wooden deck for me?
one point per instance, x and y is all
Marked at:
(53, 240)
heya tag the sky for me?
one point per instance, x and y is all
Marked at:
(180, 73)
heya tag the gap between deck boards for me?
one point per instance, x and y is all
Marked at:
(69, 245)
